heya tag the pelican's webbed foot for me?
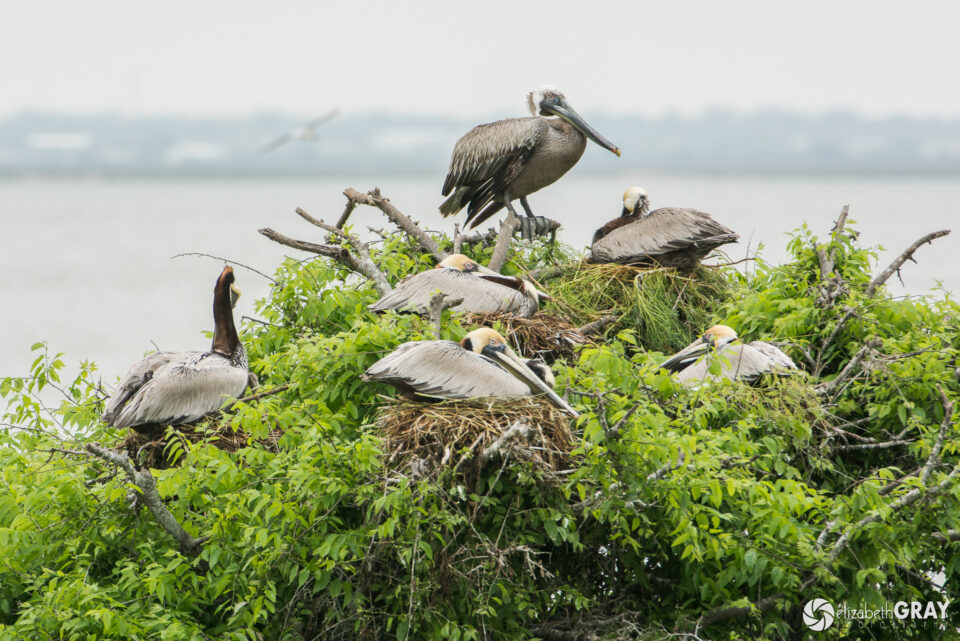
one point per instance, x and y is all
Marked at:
(538, 226)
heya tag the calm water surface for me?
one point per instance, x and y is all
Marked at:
(86, 263)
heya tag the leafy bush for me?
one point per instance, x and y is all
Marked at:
(713, 512)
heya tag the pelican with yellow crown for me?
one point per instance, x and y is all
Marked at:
(482, 364)
(738, 360)
(482, 290)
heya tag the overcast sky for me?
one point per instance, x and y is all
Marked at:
(876, 57)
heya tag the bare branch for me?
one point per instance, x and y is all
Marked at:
(438, 303)
(841, 220)
(597, 326)
(950, 536)
(457, 239)
(898, 262)
(544, 274)
(351, 205)
(871, 446)
(482, 238)
(375, 199)
(616, 427)
(257, 396)
(143, 479)
(504, 238)
(361, 264)
(934, 457)
(852, 367)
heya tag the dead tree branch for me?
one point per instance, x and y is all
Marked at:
(257, 396)
(934, 457)
(509, 225)
(898, 262)
(143, 480)
(597, 326)
(375, 199)
(361, 264)
(438, 303)
(351, 205)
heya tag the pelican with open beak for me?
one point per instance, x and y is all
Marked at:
(482, 364)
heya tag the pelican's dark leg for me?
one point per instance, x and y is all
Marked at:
(526, 207)
(536, 225)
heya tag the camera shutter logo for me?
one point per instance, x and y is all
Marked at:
(818, 614)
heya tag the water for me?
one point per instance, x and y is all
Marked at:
(86, 263)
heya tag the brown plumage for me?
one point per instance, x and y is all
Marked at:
(667, 237)
(498, 162)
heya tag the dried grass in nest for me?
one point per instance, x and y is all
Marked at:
(549, 336)
(448, 433)
(149, 449)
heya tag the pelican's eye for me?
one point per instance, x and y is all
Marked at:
(468, 265)
(493, 341)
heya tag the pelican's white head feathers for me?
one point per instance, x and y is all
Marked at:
(535, 97)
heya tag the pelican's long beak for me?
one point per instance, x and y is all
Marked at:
(489, 272)
(512, 363)
(560, 108)
(693, 351)
(234, 295)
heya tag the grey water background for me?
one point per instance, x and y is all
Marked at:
(86, 263)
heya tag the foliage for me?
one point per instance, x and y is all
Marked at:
(675, 506)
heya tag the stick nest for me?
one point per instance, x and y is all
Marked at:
(454, 433)
(549, 336)
(152, 448)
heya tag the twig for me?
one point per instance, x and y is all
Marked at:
(848, 370)
(375, 199)
(226, 260)
(614, 430)
(504, 238)
(520, 429)
(934, 457)
(871, 446)
(898, 262)
(666, 469)
(361, 264)
(546, 273)
(257, 396)
(724, 613)
(597, 326)
(143, 479)
(438, 303)
(483, 238)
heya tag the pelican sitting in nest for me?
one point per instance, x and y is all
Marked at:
(739, 361)
(482, 364)
(175, 388)
(482, 290)
(667, 237)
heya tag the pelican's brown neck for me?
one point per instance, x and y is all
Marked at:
(225, 338)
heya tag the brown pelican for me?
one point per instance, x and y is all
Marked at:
(482, 364)
(496, 163)
(739, 361)
(174, 388)
(668, 237)
(482, 290)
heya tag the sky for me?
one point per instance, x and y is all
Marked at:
(183, 57)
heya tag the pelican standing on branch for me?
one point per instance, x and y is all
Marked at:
(667, 237)
(502, 161)
(482, 290)
(738, 361)
(174, 388)
(482, 364)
